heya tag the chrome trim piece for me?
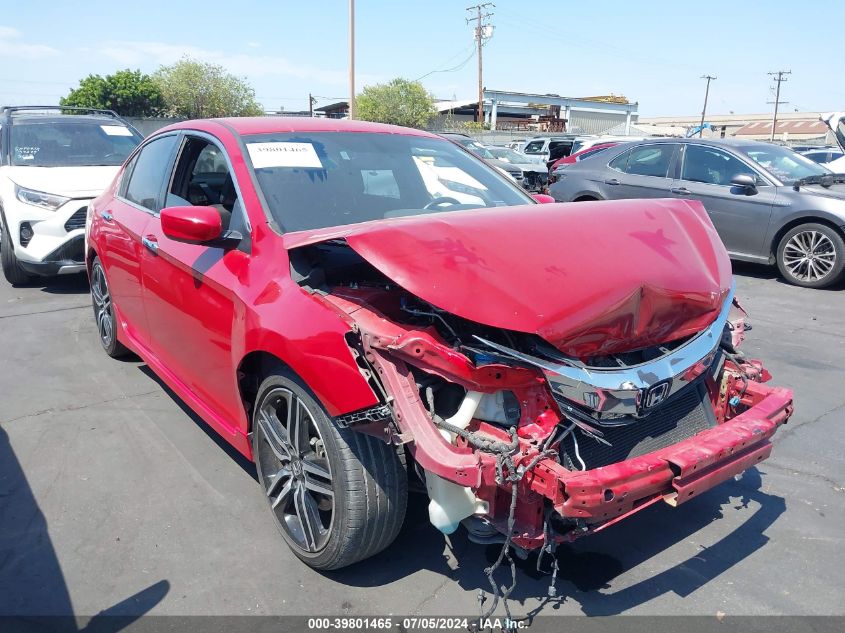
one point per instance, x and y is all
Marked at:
(70, 269)
(628, 391)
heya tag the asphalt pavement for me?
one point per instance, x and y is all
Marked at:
(116, 499)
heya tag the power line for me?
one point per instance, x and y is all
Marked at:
(780, 78)
(480, 29)
(453, 68)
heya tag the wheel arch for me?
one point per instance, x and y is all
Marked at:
(90, 254)
(331, 374)
(587, 197)
(813, 218)
(251, 371)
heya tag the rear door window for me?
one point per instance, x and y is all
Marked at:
(646, 160)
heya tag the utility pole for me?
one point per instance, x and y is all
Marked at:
(311, 102)
(779, 78)
(479, 40)
(352, 112)
(709, 78)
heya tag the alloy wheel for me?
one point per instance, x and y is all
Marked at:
(294, 469)
(809, 255)
(103, 309)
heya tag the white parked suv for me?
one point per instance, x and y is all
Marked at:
(53, 161)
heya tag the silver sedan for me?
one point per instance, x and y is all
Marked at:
(769, 204)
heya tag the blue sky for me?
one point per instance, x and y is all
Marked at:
(653, 52)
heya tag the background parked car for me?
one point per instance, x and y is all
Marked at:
(562, 163)
(768, 203)
(585, 142)
(836, 122)
(550, 148)
(824, 155)
(534, 172)
(52, 164)
(483, 153)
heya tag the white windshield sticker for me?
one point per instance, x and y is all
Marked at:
(116, 130)
(283, 155)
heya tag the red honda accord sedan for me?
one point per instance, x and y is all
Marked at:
(353, 304)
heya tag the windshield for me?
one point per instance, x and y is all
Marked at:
(322, 179)
(577, 145)
(784, 164)
(71, 143)
(510, 156)
(592, 151)
(479, 150)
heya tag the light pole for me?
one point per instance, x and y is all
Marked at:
(780, 78)
(352, 112)
(709, 78)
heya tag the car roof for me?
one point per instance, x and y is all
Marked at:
(245, 126)
(554, 137)
(734, 143)
(54, 114)
(61, 118)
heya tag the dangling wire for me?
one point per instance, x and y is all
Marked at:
(577, 452)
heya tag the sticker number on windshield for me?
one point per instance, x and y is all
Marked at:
(283, 155)
(116, 130)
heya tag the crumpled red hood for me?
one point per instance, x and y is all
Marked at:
(591, 278)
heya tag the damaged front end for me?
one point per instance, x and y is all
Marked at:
(582, 445)
(544, 433)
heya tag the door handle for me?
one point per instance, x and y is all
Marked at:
(611, 181)
(681, 191)
(150, 243)
(106, 215)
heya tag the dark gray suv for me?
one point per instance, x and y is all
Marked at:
(768, 203)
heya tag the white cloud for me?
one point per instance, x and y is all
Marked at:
(12, 45)
(242, 64)
(254, 44)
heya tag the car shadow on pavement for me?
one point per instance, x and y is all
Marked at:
(33, 593)
(587, 567)
(762, 271)
(231, 451)
(76, 284)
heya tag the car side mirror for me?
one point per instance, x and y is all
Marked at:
(195, 225)
(542, 198)
(746, 182)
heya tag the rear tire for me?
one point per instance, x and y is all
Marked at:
(811, 255)
(12, 270)
(104, 313)
(351, 488)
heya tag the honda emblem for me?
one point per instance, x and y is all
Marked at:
(655, 395)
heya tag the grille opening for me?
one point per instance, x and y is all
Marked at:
(77, 220)
(72, 250)
(683, 415)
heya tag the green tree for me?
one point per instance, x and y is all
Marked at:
(399, 101)
(197, 90)
(127, 92)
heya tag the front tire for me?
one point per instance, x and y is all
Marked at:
(811, 255)
(336, 495)
(104, 312)
(12, 270)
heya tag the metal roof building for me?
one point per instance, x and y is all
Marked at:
(505, 110)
